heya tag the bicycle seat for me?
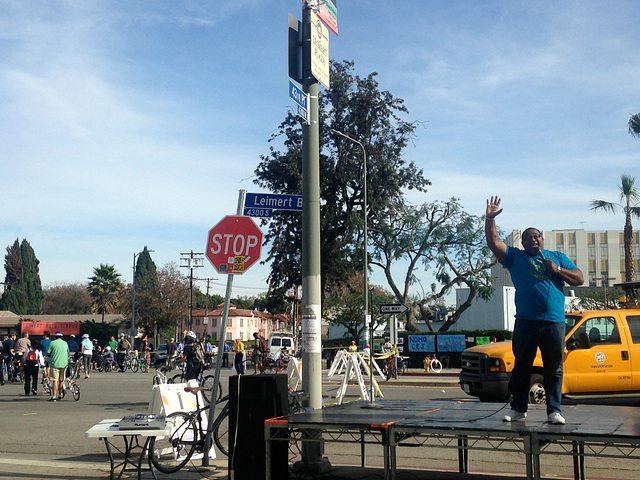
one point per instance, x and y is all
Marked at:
(194, 390)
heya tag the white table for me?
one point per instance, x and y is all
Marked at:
(108, 430)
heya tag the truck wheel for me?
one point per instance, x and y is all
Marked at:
(537, 393)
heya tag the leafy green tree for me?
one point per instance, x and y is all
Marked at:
(102, 287)
(344, 306)
(356, 107)
(23, 294)
(201, 301)
(630, 199)
(66, 299)
(172, 301)
(634, 125)
(438, 236)
(146, 285)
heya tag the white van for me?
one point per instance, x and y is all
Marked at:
(277, 341)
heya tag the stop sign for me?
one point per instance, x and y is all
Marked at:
(234, 244)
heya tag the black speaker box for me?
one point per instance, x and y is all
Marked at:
(252, 400)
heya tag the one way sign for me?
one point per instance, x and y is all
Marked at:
(393, 308)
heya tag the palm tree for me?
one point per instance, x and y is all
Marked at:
(634, 125)
(630, 195)
(103, 286)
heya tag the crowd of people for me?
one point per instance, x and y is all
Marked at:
(54, 356)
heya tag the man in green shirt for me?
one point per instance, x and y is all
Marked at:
(58, 353)
(113, 343)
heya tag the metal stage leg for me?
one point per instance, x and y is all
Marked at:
(578, 460)
(267, 451)
(463, 454)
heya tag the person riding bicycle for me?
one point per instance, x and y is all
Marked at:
(108, 356)
(259, 352)
(194, 354)
(122, 349)
(7, 356)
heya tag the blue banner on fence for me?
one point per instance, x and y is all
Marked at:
(422, 343)
(451, 343)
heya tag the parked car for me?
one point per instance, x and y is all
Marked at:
(278, 341)
(602, 356)
(160, 356)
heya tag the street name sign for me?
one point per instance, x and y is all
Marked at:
(298, 95)
(274, 201)
(302, 100)
(393, 308)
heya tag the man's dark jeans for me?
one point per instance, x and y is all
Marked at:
(528, 335)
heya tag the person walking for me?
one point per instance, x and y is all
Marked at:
(32, 361)
(44, 346)
(86, 346)
(172, 350)
(122, 349)
(538, 276)
(238, 361)
(259, 352)
(22, 345)
(225, 354)
(58, 363)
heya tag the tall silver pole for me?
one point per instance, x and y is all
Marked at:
(311, 266)
(365, 276)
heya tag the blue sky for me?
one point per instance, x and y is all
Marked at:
(128, 123)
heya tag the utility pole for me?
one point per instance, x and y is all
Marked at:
(311, 265)
(193, 260)
(206, 310)
(605, 281)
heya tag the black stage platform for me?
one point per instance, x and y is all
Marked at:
(599, 431)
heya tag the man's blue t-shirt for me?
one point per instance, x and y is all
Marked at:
(539, 294)
(44, 345)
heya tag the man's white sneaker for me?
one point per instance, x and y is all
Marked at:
(514, 416)
(556, 418)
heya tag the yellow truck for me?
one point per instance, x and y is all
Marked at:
(602, 356)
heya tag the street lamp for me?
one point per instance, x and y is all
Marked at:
(132, 331)
(366, 260)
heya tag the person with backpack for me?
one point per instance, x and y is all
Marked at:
(32, 361)
(259, 352)
(194, 353)
(86, 346)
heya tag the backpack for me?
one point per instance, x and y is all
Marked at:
(197, 354)
(32, 358)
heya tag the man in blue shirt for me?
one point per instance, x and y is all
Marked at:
(538, 276)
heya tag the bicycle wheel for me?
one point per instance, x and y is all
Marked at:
(46, 386)
(221, 430)
(134, 367)
(179, 378)
(208, 385)
(280, 366)
(436, 366)
(75, 391)
(170, 454)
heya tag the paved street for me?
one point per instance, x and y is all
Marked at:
(42, 439)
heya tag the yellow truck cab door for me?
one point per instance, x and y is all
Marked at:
(599, 360)
(633, 321)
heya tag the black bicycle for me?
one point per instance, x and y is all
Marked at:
(205, 381)
(188, 435)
